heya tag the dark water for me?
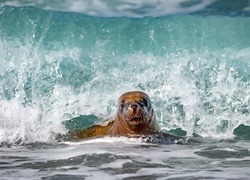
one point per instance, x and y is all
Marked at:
(120, 158)
(63, 65)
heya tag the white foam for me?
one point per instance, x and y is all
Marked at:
(168, 82)
(112, 140)
(24, 123)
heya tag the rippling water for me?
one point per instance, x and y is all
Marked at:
(64, 65)
(120, 158)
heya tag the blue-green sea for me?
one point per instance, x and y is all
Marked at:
(64, 64)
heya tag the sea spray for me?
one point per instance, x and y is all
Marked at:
(58, 66)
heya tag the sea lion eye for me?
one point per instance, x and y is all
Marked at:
(122, 105)
(145, 102)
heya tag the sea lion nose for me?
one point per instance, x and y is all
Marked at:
(134, 107)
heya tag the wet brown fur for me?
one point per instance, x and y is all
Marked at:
(132, 121)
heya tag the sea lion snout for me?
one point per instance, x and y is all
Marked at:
(134, 107)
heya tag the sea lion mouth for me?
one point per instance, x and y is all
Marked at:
(135, 121)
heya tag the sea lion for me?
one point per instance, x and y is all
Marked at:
(135, 117)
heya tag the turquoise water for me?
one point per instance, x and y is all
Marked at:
(63, 67)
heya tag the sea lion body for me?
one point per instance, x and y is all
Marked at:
(135, 117)
(95, 131)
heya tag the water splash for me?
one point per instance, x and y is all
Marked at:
(52, 71)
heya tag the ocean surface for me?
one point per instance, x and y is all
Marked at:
(64, 64)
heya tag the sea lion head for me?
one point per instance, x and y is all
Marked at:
(135, 111)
